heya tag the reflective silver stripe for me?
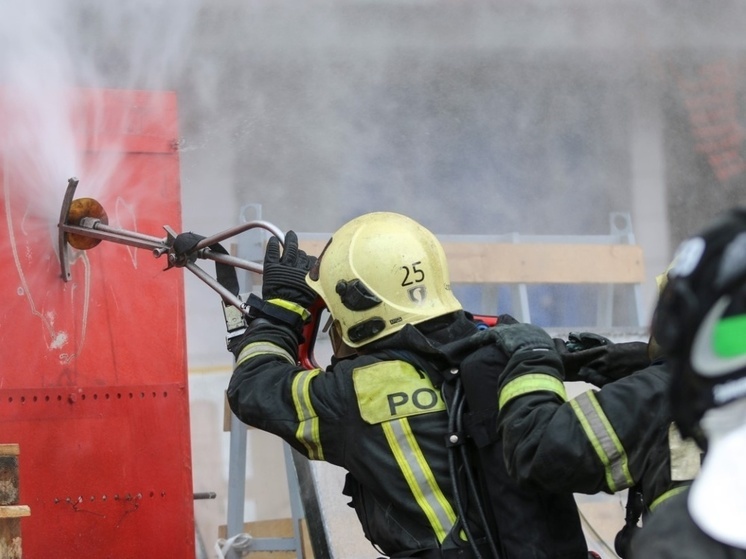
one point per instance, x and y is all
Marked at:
(419, 476)
(604, 440)
(262, 348)
(308, 426)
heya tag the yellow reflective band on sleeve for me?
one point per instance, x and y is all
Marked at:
(604, 440)
(308, 426)
(262, 348)
(667, 495)
(290, 306)
(419, 476)
(527, 384)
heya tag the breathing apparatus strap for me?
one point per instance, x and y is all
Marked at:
(635, 506)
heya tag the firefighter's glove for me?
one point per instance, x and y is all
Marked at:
(506, 319)
(529, 350)
(520, 338)
(285, 274)
(183, 246)
(579, 341)
(597, 360)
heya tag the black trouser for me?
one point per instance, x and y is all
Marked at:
(454, 553)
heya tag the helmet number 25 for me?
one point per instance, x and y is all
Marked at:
(412, 274)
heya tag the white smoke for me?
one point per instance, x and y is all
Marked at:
(51, 50)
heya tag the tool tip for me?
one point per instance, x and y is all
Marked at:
(79, 209)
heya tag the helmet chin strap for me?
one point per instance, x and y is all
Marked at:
(340, 349)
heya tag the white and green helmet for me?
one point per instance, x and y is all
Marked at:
(700, 320)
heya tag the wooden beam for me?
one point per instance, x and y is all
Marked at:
(14, 511)
(536, 263)
(10, 449)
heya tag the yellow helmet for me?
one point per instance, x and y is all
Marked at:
(380, 271)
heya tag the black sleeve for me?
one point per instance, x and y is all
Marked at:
(270, 391)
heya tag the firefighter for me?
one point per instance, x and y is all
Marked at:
(700, 321)
(380, 409)
(618, 437)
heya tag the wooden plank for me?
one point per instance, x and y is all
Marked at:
(275, 528)
(10, 449)
(14, 511)
(536, 263)
(544, 263)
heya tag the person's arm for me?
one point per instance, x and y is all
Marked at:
(595, 359)
(602, 440)
(268, 389)
(544, 441)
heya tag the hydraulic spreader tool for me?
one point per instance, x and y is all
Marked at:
(84, 223)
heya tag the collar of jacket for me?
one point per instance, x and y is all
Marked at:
(422, 345)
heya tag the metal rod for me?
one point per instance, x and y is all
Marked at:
(96, 229)
(231, 260)
(101, 226)
(204, 495)
(121, 236)
(233, 231)
(72, 184)
(236, 480)
(222, 291)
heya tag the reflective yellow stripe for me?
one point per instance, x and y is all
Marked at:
(308, 426)
(604, 440)
(526, 384)
(262, 348)
(419, 476)
(293, 307)
(667, 495)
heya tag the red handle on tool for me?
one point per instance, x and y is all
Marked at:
(310, 331)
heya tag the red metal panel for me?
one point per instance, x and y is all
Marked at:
(93, 382)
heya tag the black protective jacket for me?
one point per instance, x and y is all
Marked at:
(383, 418)
(672, 534)
(606, 440)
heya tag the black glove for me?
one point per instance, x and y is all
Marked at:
(578, 341)
(529, 351)
(597, 360)
(520, 337)
(506, 319)
(285, 276)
